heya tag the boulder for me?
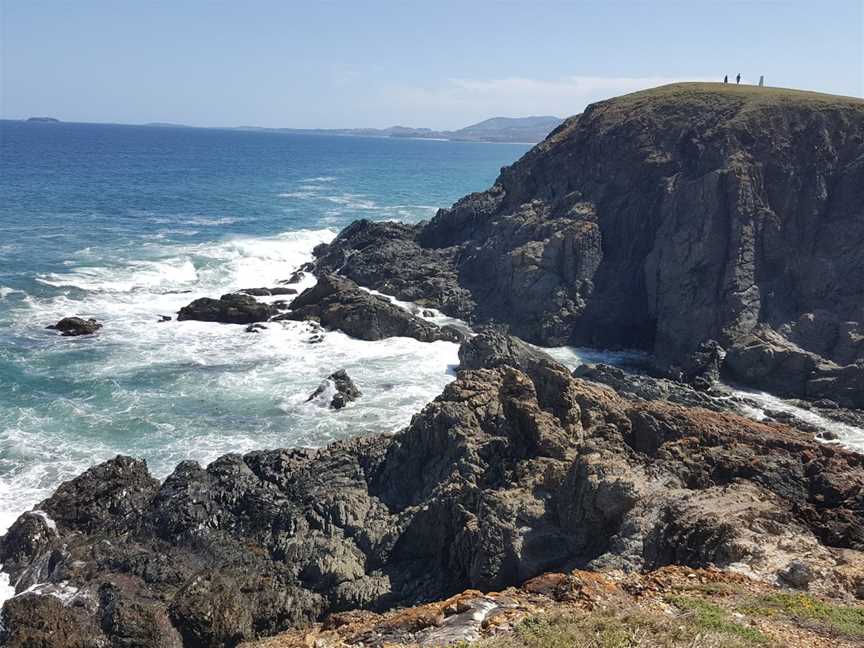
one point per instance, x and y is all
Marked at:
(232, 308)
(493, 348)
(344, 390)
(72, 326)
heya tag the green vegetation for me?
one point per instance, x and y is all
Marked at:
(844, 619)
(701, 624)
(709, 617)
(747, 93)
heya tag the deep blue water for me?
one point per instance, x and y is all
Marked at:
(126, 223)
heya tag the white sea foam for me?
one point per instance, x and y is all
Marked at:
(319, 179)
(6, 589)
(354, 201)
(5, 291)
(847, 435)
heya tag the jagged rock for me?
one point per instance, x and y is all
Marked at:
(338, 303)
(702, 367)
(255, 328)
(386, 256)
(494, 348)
(298, 275)
(72, 326)
(634, 385)
(510, 473)
(345, 390)
(164, 318)
(659, 220)
(232, 308)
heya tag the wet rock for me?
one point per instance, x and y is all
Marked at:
(164, 318)
(345, 391)
(73, 326)
(386, 256)
(255, 328)
(267, 292)
(255, 292)
(232, 308)
(701, 368)
(640, 386)
(338, 303)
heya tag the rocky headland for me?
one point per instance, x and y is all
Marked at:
(663, 220)
(719, 228)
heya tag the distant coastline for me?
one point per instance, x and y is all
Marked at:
(510, 130)
(496, 130)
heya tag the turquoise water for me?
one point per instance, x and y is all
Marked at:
(127, 223)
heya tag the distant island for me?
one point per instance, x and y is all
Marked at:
(51, 120)
(528, 130)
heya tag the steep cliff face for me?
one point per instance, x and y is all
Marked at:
(669, 217)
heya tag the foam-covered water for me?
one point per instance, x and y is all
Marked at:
(126, 224)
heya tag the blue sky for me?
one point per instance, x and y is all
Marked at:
(435, 63)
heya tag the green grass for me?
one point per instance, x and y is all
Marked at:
(709, 617)
(746, 92)
(705, 627)
(844, 619)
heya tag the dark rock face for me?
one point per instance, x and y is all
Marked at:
(509, 473)
(387, 257)
(233, 308)
(494, 348)
(660, 220)
(346, 390)
(338, 303)
(72, 326)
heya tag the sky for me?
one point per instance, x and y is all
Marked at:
(435, 63)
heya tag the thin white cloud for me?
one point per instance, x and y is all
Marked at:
(457, 100)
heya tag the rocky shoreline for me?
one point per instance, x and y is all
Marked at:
(517, 469)
(630, 226)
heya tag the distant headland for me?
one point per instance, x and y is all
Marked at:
(51, 120)
(527, 130)
(523, 130)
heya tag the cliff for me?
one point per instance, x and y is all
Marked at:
(662, 220)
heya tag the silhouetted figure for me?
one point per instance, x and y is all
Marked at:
(738, 79)
(726, 79)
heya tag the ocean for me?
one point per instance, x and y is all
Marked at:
(128, 223)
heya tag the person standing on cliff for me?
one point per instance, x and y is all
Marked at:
(738, 79)
(726, 79)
